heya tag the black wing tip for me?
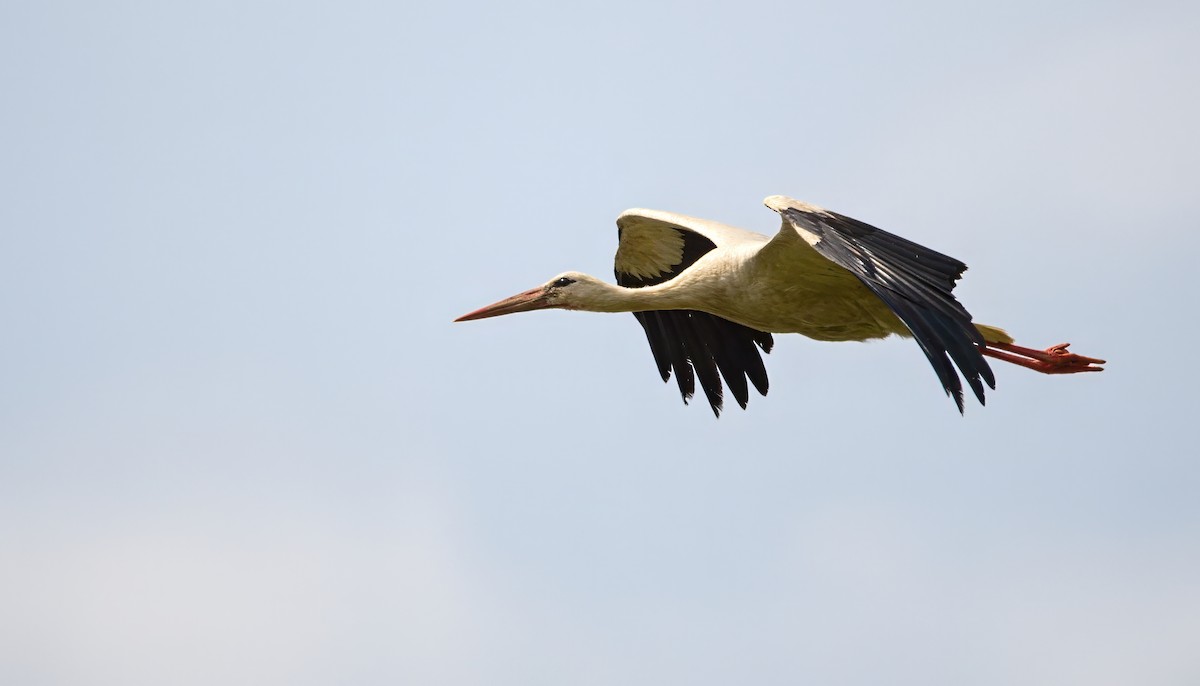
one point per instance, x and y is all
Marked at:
(958, 400)
(976, 376)
(917, 284)
(700, 347)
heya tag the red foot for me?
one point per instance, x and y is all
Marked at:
(1052, 360)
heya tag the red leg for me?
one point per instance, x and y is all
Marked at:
(1052, 360)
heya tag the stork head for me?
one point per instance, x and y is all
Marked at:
(569, 291)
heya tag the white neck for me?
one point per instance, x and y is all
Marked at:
(601, 296)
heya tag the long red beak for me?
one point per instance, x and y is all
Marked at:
(532, 299)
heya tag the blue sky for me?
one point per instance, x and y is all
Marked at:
(242, 441)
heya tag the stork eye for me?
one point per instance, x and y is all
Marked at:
(563, 281)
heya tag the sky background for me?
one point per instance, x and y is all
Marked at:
(241, 441)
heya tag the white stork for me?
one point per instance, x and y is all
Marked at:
(707, 294)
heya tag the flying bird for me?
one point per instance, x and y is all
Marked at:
(709, 297)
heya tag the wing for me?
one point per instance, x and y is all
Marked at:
(654, 247)
(912, 280)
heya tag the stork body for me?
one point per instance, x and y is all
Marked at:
(709, 296)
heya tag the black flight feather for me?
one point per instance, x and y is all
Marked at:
(917, 284)
(698, 345)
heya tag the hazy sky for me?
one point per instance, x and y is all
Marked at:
(241, 441)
